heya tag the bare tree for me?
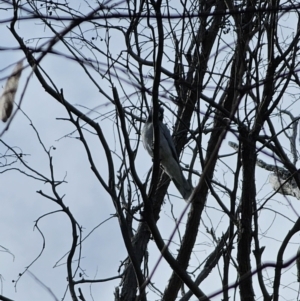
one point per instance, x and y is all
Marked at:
(224, 71)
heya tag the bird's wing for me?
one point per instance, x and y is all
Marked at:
(165, 133)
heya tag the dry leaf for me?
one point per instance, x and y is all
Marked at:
(8, 96)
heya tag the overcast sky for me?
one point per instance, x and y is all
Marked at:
(103, 251)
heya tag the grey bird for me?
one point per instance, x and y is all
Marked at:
(167, 153)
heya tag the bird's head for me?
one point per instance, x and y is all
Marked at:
(160, 114)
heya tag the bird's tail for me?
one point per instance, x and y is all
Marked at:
(185, 188)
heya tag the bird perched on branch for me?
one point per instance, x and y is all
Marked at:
(167, 153)
(281, 179)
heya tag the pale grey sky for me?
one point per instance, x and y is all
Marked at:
(103, 251)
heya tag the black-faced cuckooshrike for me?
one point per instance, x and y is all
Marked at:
(167, 153)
